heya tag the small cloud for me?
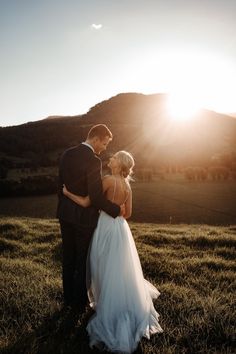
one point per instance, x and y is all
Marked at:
(96, 27)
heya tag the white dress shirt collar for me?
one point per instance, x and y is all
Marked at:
(90, 146)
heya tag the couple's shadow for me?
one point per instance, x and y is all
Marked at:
(64, 332)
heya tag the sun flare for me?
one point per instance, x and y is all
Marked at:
(195, 78)
(182, 107)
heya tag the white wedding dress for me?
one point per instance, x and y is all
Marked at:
(117, 290)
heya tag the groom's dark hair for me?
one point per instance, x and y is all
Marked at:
(100, 131)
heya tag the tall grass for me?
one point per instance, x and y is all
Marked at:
(192, 266)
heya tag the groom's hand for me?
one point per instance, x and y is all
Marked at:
(122, 209)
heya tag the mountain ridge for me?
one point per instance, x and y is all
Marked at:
(139, 123)
(128, 98)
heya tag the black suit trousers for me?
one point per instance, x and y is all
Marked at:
(75, 245)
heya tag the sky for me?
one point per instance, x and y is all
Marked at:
(63, 57)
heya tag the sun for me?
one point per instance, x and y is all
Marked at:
(194, 77)
(182, 106)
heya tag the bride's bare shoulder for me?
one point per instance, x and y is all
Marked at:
(108, 178)
(107, 181)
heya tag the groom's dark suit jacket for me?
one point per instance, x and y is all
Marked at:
(80, 171)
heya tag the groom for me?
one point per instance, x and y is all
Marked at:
(80, 171)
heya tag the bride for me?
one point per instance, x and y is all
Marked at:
(117, 290)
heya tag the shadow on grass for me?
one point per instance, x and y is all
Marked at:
(57, 254)
(62, 333)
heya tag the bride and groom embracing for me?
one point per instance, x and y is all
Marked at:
(100, 261)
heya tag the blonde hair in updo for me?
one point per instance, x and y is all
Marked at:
(126, 161)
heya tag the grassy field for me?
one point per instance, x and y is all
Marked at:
(172, 200)
(192, 266)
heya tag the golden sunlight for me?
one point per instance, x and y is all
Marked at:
(182, 106)
(194, 78)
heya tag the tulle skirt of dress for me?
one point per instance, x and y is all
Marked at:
(117, 290)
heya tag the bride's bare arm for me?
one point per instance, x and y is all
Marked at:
(83, 201)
